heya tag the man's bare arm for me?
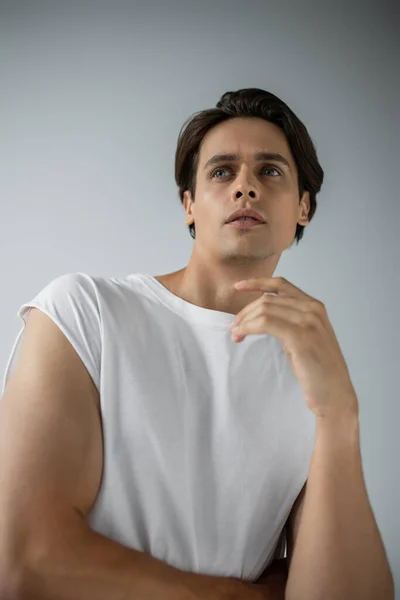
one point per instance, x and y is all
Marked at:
(84, 564)
(337, 551)
(51, 466)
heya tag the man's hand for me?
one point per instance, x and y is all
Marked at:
(277, 569)
(274, 579)
(269, 586)
(250, 591)
(301, 323)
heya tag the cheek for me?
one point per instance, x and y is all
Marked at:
(210, 210)
(283, 218)
(213, 202)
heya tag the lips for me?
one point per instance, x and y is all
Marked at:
(245, 223)
(248, 212)
(245, 219)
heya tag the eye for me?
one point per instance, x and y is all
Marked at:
(270, 168)
(216, 171)
(220, 169)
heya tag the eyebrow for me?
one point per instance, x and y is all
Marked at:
(218, 158)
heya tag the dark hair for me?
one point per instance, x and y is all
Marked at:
(249, 102)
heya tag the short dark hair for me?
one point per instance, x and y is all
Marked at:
(249, 102)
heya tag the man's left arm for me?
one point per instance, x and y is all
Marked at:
(335, 550)
(338, 553)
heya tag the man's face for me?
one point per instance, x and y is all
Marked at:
(267, 186)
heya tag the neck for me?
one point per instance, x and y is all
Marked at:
(212, 288)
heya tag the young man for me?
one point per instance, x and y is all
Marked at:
(147, 451)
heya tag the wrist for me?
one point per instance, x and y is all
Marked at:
(199, 586)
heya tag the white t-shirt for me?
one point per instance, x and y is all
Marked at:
(207, 443)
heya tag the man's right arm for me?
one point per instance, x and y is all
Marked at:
(85, 565)
(51, 466)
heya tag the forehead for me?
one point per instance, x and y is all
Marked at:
(244, 136)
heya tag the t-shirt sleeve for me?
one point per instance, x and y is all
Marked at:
(72, 302)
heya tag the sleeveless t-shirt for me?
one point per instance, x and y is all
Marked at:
(207, 442)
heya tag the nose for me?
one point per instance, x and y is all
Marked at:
(239, 193)
(244, 190)
(244, 187)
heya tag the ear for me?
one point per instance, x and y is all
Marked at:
(188, 206)
(304, 208)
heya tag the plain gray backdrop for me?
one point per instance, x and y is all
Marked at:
(93, 96)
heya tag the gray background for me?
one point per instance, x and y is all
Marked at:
(92, 99)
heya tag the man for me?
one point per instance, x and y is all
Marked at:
(148, 451)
